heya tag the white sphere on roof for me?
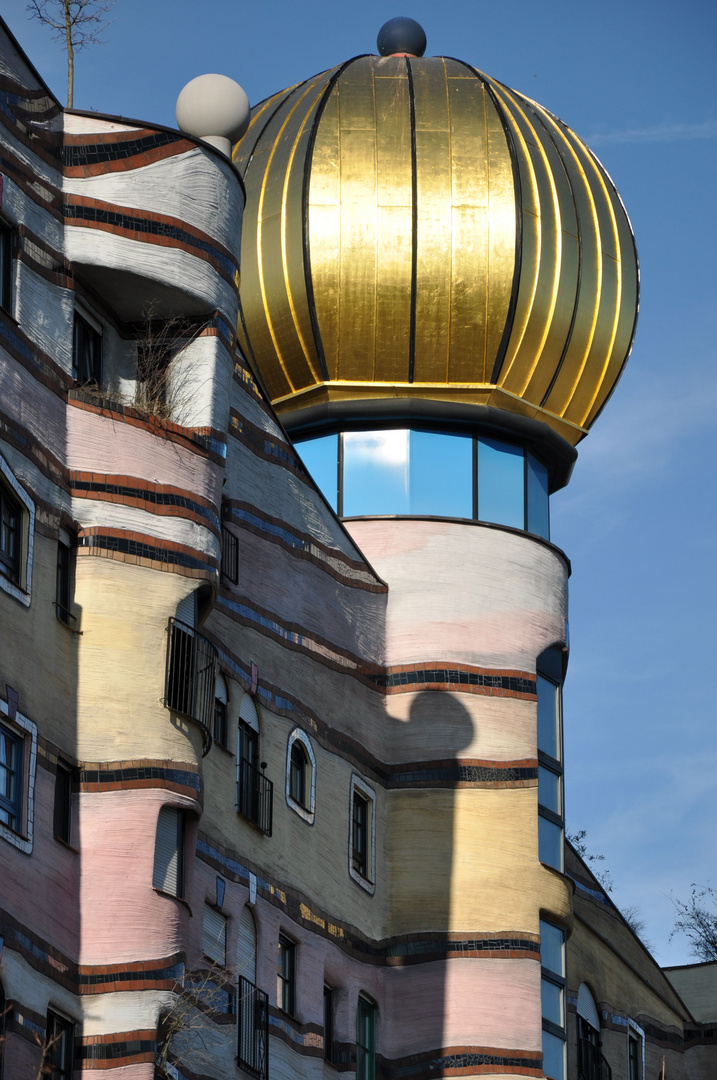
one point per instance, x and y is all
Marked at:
(213, 108)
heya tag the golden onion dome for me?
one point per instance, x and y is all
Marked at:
(415, 229)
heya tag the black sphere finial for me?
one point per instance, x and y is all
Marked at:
(401, 35)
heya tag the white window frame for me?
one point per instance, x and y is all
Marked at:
(360, 785)
(307, 813)
(21, 590)
(27, 731)
(635, 1031)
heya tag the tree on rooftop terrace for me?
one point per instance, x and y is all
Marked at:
(77, 24)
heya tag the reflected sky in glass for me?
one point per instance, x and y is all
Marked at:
(376, 472)
(501, 485)
(538, 513)
(441, 474)
(550, 849)
(321, 459)
(548, 717)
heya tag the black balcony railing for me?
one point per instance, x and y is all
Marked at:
(253, 1029)
(255, 796)
(191, 676)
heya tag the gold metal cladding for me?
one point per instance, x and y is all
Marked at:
(413, 226)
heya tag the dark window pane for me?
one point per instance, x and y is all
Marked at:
(286, 975)
(321, 457)
(550, 789)
(365, 1041)
(550, 843)
(501, 483)
(59, 1047)
(86, 352)
(5, 268)
(328, 1023)
(297, 774)
(553, 1056)
(552, 948)
(441, 474)
(538, 504)
(220, 722)
(10, 778)
(548, 717)
(551, 996)
(10, 524)
(359, 835)
(63, 803)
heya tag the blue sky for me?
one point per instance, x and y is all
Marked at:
(637, 81)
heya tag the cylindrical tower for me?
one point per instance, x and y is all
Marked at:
(439, 293)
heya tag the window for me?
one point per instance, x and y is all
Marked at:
(11, 762)
(635, 1051)
(551, 820)
(191, 676)
(10, 534)
(221, 699)
(63, 803)
(253, 1029)
(301, 775)
(552, 992)
(362, 834)
(588, 1036)
(6, 244)
(286, 975)
(230, 554)
(86, 351)
(18, 765)
(59, 1047)
(414, 472)
(169, 852)
(63, 589)
(328, 1023)
(214, 935)
(255, 794)
(365, 1040)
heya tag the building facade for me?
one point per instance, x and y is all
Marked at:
(283, 631)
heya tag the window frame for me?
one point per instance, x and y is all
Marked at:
(635, 1037)
(230, 554)
(7, 251)
(85, 324)
(329, 1005)
(62, 803)
(365, 1051)
(61, 1070)
(299, 743)
(162, 886)
(13, 806)
(286, 975)
(360, 790)
(18, 582)
(64, 578)
(214, 950)
(220, 727)
(548, 976)
(24, 729)
(548, 679)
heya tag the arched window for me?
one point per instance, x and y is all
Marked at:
(246, 946)
(301, 775)
(588, 1036)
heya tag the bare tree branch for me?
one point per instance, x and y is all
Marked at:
(696, 918)
(75, 23)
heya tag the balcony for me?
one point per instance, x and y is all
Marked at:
(190, 677)
(253, 1029)
(255, 796)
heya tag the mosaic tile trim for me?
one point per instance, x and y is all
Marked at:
(461, 1060)
(113, 779)
(90, 213)
(75, 155)
(457, 774)
(165, 553)
(152, 497)
(262, 444)
(458, 677)
(306, 1037)
(141, 976)
(114, 1051)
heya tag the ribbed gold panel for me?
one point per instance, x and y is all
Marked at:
(413, 228)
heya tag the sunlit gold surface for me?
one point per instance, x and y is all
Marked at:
(414, 228)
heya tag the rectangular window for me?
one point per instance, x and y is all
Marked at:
(551, 822)
(6, 243)
(214, 935)
(328, 1023)
(634, 1057)
(169, 852)
(10, 534)
(220, 722)
(62, 585)
(297, 774)
(86, 352)
(359, 834)
(63, 804)
(286, 975)
(552, 959)
(59, 1047)
(365, 1040)
(253, 1029)
(11, 764)
(230, 556)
